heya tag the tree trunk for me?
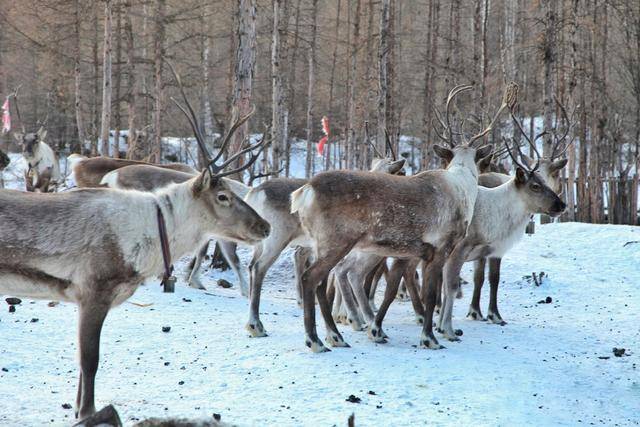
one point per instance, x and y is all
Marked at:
(311, 89)
(278, 102)
(291, 83)
(244, 69)
(136, 149)
(77, 70)
(118, 83)
(106, 79)
(158, 65)
(549, 54)
(383, 76)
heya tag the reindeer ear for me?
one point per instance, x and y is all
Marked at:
(528, 161)
(19, 137)
(202, 182)
(42, 134)
(396, 166)
(521, 176)
(443, 152)
(484, 164)
(558, 164)
(483, 152)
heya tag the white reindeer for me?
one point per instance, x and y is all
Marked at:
(43, 174)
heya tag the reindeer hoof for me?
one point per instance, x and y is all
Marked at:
(336, 340)
(495, 318)
(437, 309)
(431, 343)
(196, 284)
(256, 330)
(458, 332)
(451, 337)
(419, 319)
(475, 314)
(402, 296)
(376, 334)
(356, 324)
(341, 318)
(316, 346)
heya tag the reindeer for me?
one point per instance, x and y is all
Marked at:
(43, 174)
(4, 160)
(89, 172)
(272, 200)
(421, 216)
(94, 247)
(548, 170)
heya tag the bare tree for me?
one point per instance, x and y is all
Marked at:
(106, 78)
(311, 87)
(244, 69)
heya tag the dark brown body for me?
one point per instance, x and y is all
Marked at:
(89, 172)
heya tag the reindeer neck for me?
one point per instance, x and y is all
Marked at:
(506, 204)
(183, 228)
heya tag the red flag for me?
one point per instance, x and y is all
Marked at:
(6, 117)
(325, 138)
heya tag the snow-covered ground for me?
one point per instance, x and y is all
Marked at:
(552, 364)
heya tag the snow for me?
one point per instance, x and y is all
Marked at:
(542, 368)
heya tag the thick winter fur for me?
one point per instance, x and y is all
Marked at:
(152, 178)
(499, 224)
(272, 200)
(94, 247)
(42, 162)
(420, 216)
(89, 172)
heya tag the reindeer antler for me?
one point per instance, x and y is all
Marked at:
(217, 170)
(366, 137)
(558, 141)
(509, 99)
(15, 97)
(447, 135)
(389, 144)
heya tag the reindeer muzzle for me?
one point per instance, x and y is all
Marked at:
(558, 208)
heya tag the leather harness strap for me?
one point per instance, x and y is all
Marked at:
(167, 277)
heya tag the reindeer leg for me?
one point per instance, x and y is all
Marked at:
(92, 317)
(338, 306)
(349, 301)
(357, 276)
(196, 263)
(375, 331)
(478, 280)
(331, 291)
(494, 281)
(451, 283)
(431, 273)
(333, 335)
(300, 259)
(317, 272)
(228, 250)
(260, 264)
(412, 286)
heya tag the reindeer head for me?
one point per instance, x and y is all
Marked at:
(539, 197)
(228, 215)
(30, 142)
(548, 167)
(466, 152)
(233, 218)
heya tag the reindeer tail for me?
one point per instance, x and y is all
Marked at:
(301, 197)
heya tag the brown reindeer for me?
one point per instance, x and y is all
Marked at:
(94, 247)
(422, 216)
(89, 172)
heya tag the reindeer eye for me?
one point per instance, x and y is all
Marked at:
(536, 187)
(223, 197)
